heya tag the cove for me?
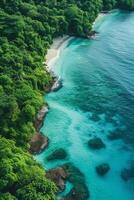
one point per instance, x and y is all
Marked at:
(96, 100)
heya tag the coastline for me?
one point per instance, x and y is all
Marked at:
(39, 142)
(99, 17)
(54, 52)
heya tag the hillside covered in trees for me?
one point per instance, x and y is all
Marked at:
(27, 28)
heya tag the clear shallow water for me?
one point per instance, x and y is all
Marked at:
(97, 97)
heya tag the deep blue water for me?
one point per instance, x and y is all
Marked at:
(97, 98)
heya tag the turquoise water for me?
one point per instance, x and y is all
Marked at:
(97, 98)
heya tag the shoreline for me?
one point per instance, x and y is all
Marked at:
(99, 17)
(52, 56)
(54, 52)
(39, 142)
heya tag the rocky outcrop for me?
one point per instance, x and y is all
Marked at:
(79, 190)
(57, 85)
(77, 194)
(96, 143)
(102, 169)
(70, 173)
(58, 176)
(38, 143)
(92, 34)
(40, 116)
(57, 154)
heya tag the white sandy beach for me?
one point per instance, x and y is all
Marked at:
(54, 51)
(100, 16)
(58, 43)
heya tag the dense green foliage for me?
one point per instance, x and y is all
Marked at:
(18, 175)
(123, 4)
(27, 28)
(126, 4)
(109, 4)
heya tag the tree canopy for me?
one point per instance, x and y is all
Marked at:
(20, 176)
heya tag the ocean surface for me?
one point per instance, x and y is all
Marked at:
(97, 99)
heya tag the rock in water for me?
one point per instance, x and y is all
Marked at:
(79, 190)
(92, 34)
(58, 176)
(40, 116)
(102, 169)
(57, 154)
(57, 85)
(116, 135)
(70, 173)
(38, 143)
(76, 194)
(96, 143)
(127, 174)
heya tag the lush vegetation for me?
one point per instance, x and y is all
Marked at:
(27, 28)
(126, 4)
(123, 4)
(18, 175)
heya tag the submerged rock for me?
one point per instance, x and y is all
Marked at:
(127, 174)
(102, 169)
(57, 154)
(95, 117)
(116, 135)
(38, 143)
(77, 194)
(69, 173)
(79, 190)
(92, 34)
(96, 143)
(58, 176)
